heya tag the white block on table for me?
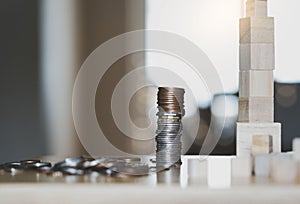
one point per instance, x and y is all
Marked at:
(296, 149)
(256, 30)
(197, 169)
(262, 165)
(256, 8)
(219, 172)
(256, 109)
(245, 132)
(256, 56)
(241, 167)
(256, 83)
(283, 168)
(262, 144)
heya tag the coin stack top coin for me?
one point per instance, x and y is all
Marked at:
(169, 126)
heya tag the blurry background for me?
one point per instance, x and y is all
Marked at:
(44, 43)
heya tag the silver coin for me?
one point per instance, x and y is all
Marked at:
(72, 171)
(133, 169)
(29, 162)
(45, 169)
(13, 167)
(36, 165)
(128, 159)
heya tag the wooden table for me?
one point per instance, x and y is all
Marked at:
(172, 186)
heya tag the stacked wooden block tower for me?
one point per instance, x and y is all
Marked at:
(256, 131)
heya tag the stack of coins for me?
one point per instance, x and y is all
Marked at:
(169, 126)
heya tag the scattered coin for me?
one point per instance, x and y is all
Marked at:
(129, 166)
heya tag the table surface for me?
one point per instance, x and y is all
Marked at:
(169, 186)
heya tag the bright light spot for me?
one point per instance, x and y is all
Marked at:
(231, 106)
(213, 25)
(287, 41)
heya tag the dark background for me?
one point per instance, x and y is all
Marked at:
(21, 128)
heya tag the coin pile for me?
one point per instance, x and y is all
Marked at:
(25, 165)
(169, 126)
(130, 166)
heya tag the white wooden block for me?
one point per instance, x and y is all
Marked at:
(257, 56)
(296, 149)
(241, 167)
(256, 83)
(245, 132)
(256, 109)
(262, 144)
(256, 30)
(256, 8)
(283, 168)
(197, 169)
(262, 165)
(219, 172)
